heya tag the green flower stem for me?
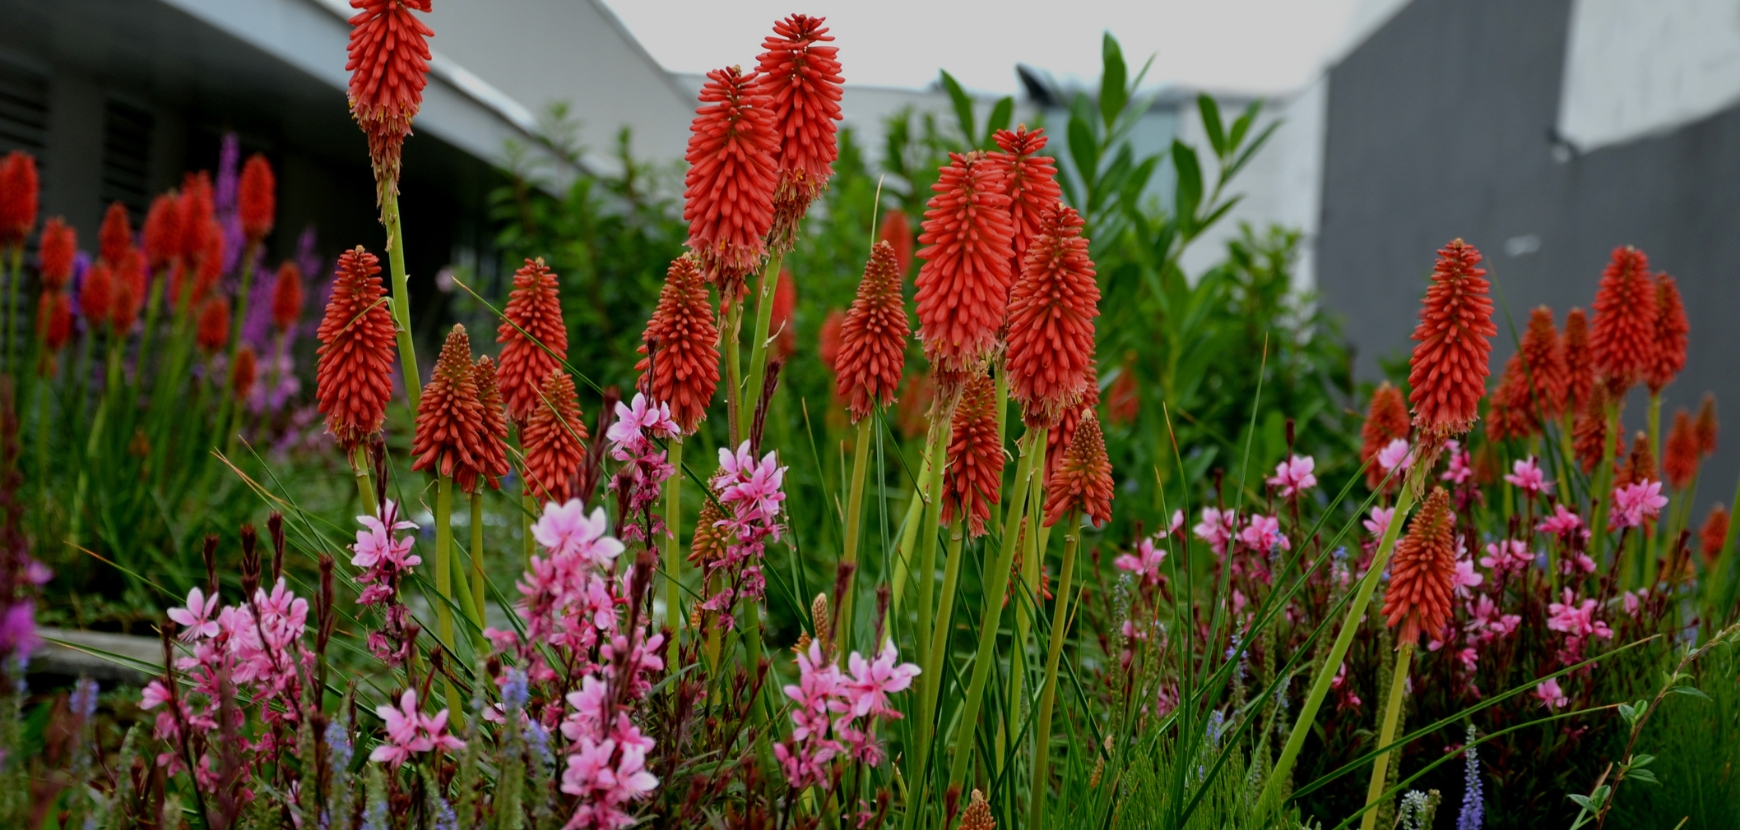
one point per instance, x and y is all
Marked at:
(359, 461)
(935, 452)
(733, 372)
(444, 580)
(467, 601)
(401, 301)
(854, 524)
(1343, 640)
(1048, 692)
(1724, 562)
(674, 548)
(758, 346)
(996, 574)
(932, 677)
(244, 292)
(92, 448)
(1653, 540)
(1392, 715)
(909, 535)
(1030, 568)
(1603, 484)
(477, 593)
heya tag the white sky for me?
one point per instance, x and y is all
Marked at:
(1248, 45)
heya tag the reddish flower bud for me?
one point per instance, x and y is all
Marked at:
(115, 237)
(1638, 465)
(355, 371)
(1386, 419)
(1706, 426)
(1083, 479)
(162, 235)
(684, 371)
(451, 439)
(896, 230)
(1514, 405)
(97, 294)
(1589, 430)
(1669, 354)
(130, 287)
(963, 285)
(18, 198)
(287, 296)
(828, 339)
(1623, 340)
(782, 321)
(801, 80)
(1123, 399)
(1032, 185)
(211, 262)
(1714, 534)
(912, 415)
(728, 191)
(256, 198)
(554, 439)
(1423, 572)
(872, 350)
(495, 426)
(214, 324)
(197, 222)
(973, 479)
(1579, 361)
(389, 66)
(1058, 438)
(1543, 355)
(1051, 319)
(1448, 368)
(54, 319)
(58, 247)
(244, 373)
(532, 335)
(1681, 455)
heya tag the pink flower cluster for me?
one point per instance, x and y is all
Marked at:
(1217, 528)
(752, 493)
(1294, 476)
(1635, 503)
(1461, 467)
(1576, 620)
(836, 712)
(607, 758)
(410, 731)
(645, 468)
(1144, 563)
(1507, 556)
(385, 561)
(1526, 476)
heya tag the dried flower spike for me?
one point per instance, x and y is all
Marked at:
(728, 191)
(974, 476)
(1589, 430)
(963, 285)
(19, 192)
(1386, 419)
(1448, 368)
(685, 370)
(1423, 573)
(389, 65)
(451, 439)
(800, 78)
(1623, 340)
(978, 814)
(532, 335)
(873, 337)
(355, 375)
(1669, 355)
(554, 439)
(1083, 479)
(1051, 320)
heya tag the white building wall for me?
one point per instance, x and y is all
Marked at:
(1635, 69)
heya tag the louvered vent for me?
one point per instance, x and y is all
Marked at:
(23, 111)
(127, 156)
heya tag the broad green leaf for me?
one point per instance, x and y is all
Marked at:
(963, 105)
(1001, 115)
(1211, 124)
(1690, 690)
(1189, 189)
(1085, 152)
(1243, 123)
(1643, 775)
(1113, 94)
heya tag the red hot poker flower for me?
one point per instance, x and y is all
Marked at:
(963, 285)
(1423, 573)
(1589, 430)
(162, 236)
(196, 216)
(1714, 534)
(1083, 479)
(57, 249)
(801, 79)
(1448, 368)
(18, 198)
(130, 287)
(389, 66)
(451, 438)
(1579, 361)
(115, 236)
(495, 429)
(1706, 426)
(974, 476)
(357, 347)
(214, 324)
(783, 313)
(684, 371)
(54, 320)
(1059, 437)
(287, 296)
(728, 191)
(1512, 410)
(97, 295)
(256, 199)
(1123, 397)
(1669, 355)
(1623, 340)
(897, 231)
(533, 316)
(1681, 455)
(828, 338)
(243, 374)
(1544, 356)
(1386, 419)
(1051, 319)
(553, 439)
(1032, 184)
(872, 350)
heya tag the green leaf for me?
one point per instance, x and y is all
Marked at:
(1189, 189)
(1628, 712)
(1113, 94)
(1211, 124)
(1084, 150)
(1001, 115)
(963, 104)
(1643, 775)
(1585, 802)
(1690, 690)
(1641, 760)
(1243, 123)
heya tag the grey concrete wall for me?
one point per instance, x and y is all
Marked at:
(1441, 126)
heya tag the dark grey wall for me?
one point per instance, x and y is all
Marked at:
(1440, 126)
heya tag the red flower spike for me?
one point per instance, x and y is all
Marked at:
(357, 348)
(211, 263)
(801, 80)
(19, 191)
(1638, 465)
(1544, 356)
(829, 339)
(1579, 361)
(896, 230)
(495, 425)
(1623, 339)
(1032, 184)
(974, 476)
(1423, 572)
(963, 285)
(873, 337)
(781, 321)
(1682, 453)
(1714, 534)
(58, 247)
(451, 438)
(54, 320)
(389, 66)
(197, 221)
(162, 234)
(1051, 319)
(97, 294)
(130, 287)
(1515, 404)
(533, 316)
(912, 414)
(1706, 426)
(1669, 356)
(256, 199)
(243, 374)
(685, 370)
(1123, 398)
(214, 325)
(728, 191)
(1083, 479)
(1386, 419)
(1448, 369)
(1589, 430)
(554, 440)
(1059, 437)
(115, 237)
(287, 297)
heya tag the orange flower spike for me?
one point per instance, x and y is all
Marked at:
(1082, 480)
(211, 263)
(1623, 339)
(1682, 453)
(196, 221)
(1669, 356)
(963, 285)
(1714, 534)
(1448, 368)
(1059, 437)
(451, 438)
(533, 316)
(1032, 184)
(896, 230)
(1589, 430)
(1386, 419)
(1706, 426)
(1544, 355)
(872, 351)
(115, 237)
(828, 339)
(244, 373)
(495, 427)
(389, 65)
(1579, 361)
(54, 319)
(162, 233)
(800, 78)
(685, 371)
(357, 349)
(733, 171)
(1423, 572)
(974, 476)
(554, 439)
(19, 195)
(1123, 397)
(130, 287)
(57, 248)
(287, 297)
(214, 325)
(1051, 319)
(97, 294)
(256, 199)
(782, 322)
(1511, 413)
(912, 411)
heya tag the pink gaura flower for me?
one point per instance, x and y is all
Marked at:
(1526, 476)
(1144, 563)
(1263, 534)
(1395, 456)
(872, 681)
(635, 422)
(1507, 555)
(1293, 476)
(195, 618)
(404, 732)
(1551, 695)
(1379, 521)
(1575, 563)
(1563, 524)
(1634, 503)
(1466, 577)
(1461, 467)
(565, 530)
(743, 480)
(1576, 618)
